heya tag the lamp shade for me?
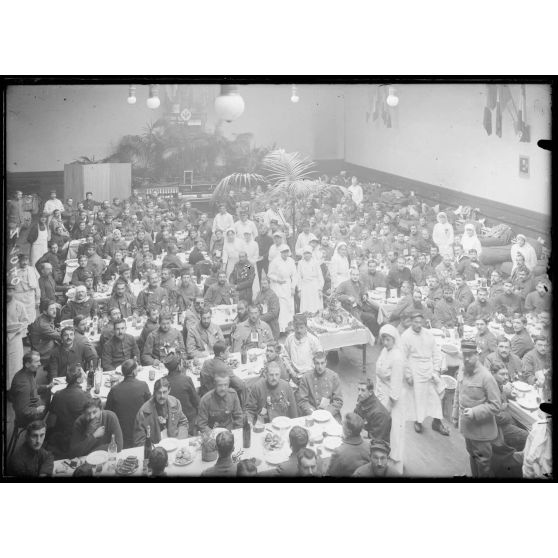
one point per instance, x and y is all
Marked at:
(229, 105)
(132, 95)
(392, 99)
(153, 102)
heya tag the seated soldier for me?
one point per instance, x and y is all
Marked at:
(271, 397)
(537, 362)
(162, 414)
(93, 430)
(212, 366)
(220, 407)
(82, 304)
(353, 452)
(253, 333)
(298, 440)
(202, 336)
(379, 465)
(446, 311)
(220, 292)
(31, 459)
(224, 467)
(308, 464)
(521, 342)
(320, 389)
(119, 348)
(161, 342)
(377, 420)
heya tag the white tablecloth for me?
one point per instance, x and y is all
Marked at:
(195, 468)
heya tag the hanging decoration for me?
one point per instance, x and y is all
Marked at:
(499, 99)
(381, 103)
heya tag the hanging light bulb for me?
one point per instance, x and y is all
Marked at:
(132, 95)
(229, 105)
(153, 102)
(294, 95)
(392, 99)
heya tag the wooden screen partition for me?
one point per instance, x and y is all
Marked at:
(105, 180)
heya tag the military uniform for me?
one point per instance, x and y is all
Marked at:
(215, 411)
(159, 343)
(252, 336)
(478, 392)
(314, 386)
(279, 401)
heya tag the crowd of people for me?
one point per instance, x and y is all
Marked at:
(279, 269)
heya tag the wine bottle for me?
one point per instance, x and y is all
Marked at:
(243, 354)
(147, 449)
(112, 453)
(246, 433)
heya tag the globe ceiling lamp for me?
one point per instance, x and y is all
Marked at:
(132, 95)
(229, 105)
(294, 95)
(153, 102)
(392, 98)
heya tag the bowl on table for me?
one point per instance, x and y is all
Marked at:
(332, 442)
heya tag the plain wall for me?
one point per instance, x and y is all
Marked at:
(49, 126)
(438, 137)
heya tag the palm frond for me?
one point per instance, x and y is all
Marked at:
(281, 167)
(236, 180)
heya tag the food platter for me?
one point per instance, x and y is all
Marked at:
(183, 457)
(128, 466)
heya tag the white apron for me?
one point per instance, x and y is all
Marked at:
(16, 322)
(40, 247)
(281, 270)
(389, 370)
(310, 283)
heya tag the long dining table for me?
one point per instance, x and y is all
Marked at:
(324, 436)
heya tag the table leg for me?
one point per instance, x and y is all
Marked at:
(364, 359)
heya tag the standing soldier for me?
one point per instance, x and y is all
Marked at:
(476, 404)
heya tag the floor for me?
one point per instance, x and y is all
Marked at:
(426, 455)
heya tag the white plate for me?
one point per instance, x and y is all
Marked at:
(333, 429)
(275, 457)
(332, 442)
(170, 444)
(281, 423)
(436, 331)
(522, 386)
(321, 415)
(528, 404)
(97, 458)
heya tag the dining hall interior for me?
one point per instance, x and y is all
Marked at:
(326, 279)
